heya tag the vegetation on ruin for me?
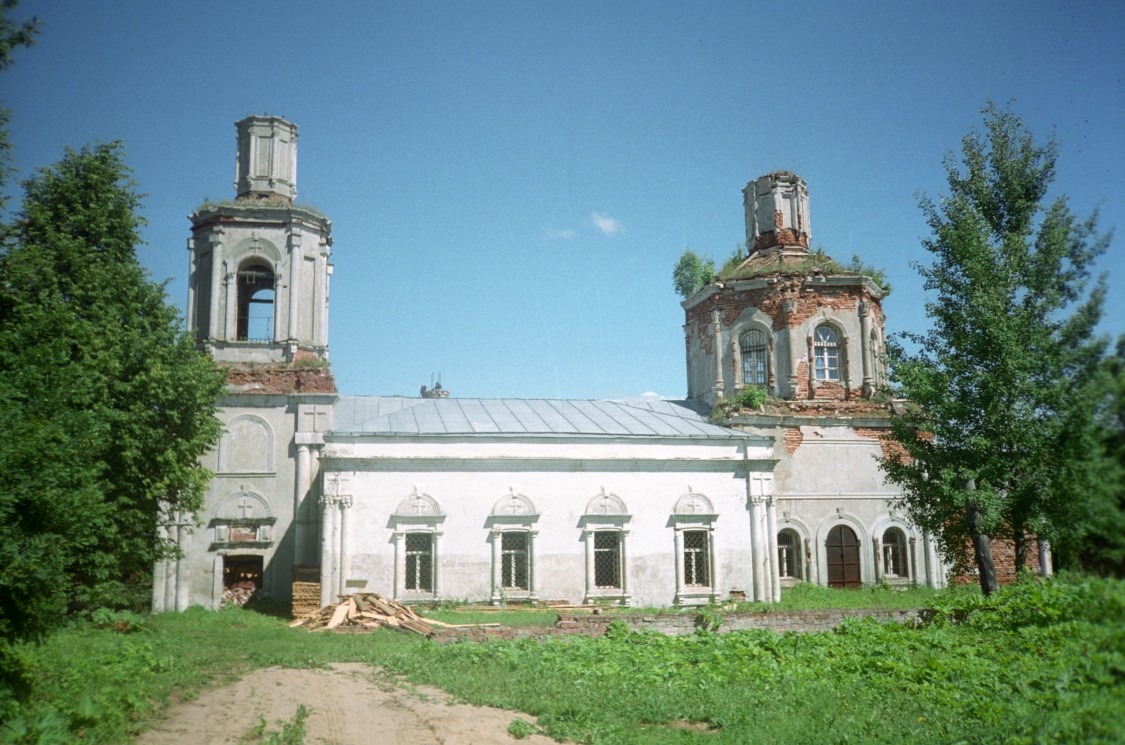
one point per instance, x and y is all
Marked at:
(1038, 661)
(1008, 435)
(693, 272)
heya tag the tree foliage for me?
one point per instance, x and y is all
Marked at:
(1004, 383)
(109, 405)
(692, 273)
(13, 35)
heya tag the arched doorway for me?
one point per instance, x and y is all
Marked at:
(842, 550)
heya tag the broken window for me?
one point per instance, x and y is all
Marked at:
(255, 303)
(755, 357)
(789, 554)
(826, 353)
(419, 562)
(894, 554)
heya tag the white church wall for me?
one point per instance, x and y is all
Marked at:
(468, 491)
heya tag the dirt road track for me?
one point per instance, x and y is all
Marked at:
(349, 704)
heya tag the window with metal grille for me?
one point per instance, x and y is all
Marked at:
(255, 303)
(894, 553)
(607, 558)
(826, 353)
(419, 562)
(515, 566)
(789, 554)
(755, 357)
(697, 569)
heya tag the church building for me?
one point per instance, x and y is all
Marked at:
(632, 502)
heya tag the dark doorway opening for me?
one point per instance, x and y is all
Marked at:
(842, 548)
(242, 571)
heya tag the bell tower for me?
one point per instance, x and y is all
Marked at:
(258, 286)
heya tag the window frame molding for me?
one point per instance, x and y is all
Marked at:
(417, 513)
(841, 352)
(694, 512)
(755, 320)
(606, 513)
(513, 512)
(911, 540)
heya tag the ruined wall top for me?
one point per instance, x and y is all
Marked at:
(267, 159)
(777, 212)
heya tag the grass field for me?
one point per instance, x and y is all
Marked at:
(1039, 662)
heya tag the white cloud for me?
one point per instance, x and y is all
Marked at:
(557, 234)
(608, 225)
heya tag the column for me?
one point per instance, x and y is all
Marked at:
(713, 550)
(678, 537)
(327, 534)
(295, 260)
(717, 326)
(865, 348)
(532, 568)
(231, 293)
(1045, 567)
(878, 557)
(497, 580)
(158, 573)
(789, 307)
(400, 564)
(588, 538)
(214, 324)
(775, 572)
(300, 489)
(913, 561)
(183, 585)
(759, 594)
(342, 555)
(437, 564)
(320, 302)
(623, 564)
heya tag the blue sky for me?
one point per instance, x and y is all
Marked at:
(511, 183)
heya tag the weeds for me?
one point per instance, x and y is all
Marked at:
(1039, 661)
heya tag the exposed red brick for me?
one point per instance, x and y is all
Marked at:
(1004, 558)
(793, 439)
(280, 379)
(891, 448)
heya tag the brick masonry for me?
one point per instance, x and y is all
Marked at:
(280, 379)
(673, 624)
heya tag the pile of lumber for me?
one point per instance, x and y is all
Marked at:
(370, 611)
(306, 591)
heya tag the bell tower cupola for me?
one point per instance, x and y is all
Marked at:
(258, 288)
(267, 159)
(777, 212)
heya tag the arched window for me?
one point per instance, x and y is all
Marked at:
(755, 357)
(894, 554)
(826, 353)
(255, 302)
(789, 554)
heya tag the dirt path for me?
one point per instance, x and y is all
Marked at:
(349, 704)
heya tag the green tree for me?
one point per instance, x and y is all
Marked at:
(692, 273)
(109, 405)
(999, 435)
(13, 35)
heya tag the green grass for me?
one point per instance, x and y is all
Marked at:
(1039, 662)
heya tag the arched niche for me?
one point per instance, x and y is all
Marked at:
(247, 446)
